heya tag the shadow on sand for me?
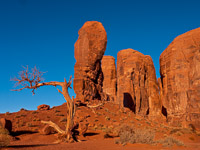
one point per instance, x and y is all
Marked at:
(17, 133)
(27, 146)
(90, 134)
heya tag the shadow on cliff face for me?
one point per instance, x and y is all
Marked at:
(128, 102)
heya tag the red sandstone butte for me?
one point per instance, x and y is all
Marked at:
(89, 50)
(180, 79)
(137, 86)
(109, 76)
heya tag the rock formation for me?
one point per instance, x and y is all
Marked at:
(89, 50)
(110, 77)
(137, 87)
(6, 124)
(43, 107)
(180, 79)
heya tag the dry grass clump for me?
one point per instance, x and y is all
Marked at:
(183, 130)
(131, 135)
(170, 141)
(4, 137)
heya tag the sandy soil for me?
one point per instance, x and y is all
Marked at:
(27, 128)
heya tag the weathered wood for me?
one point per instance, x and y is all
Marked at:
(33, 80)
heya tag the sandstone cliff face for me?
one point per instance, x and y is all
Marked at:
(89, 50)
(137, 84)
(110, 77)
(180, 79)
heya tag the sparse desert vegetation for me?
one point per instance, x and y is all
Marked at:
(4, 137)
(130, 134)
(124, 105)
(170, 141)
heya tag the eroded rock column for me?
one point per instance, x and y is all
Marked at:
(137, 85)
(110, 77)
(89, 50)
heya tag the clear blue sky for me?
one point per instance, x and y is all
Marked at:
(43, 33)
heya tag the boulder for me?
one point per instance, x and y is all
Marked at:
(89, 50)
(6, 124)
(180, 79)
(43, 107)
(137, 86)
(109, 76)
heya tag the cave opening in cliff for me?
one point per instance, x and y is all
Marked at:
(128, 102)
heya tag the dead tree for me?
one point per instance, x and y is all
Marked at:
(33, 80)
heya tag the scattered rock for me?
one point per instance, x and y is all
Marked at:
(6, 124)
(137, 86)
(110, 77)
(180, 79)
(89, 50)
(43, 107)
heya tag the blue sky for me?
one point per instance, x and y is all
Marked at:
(43, 33)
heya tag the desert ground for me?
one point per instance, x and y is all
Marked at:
(104, 123)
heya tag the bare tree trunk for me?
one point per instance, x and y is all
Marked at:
(31, 81)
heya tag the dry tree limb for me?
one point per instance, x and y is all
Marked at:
(55, 126)
(33, 80)
(91, 106)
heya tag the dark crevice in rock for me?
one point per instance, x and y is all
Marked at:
(164, 111)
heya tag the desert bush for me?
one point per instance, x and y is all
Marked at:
(4, 137)
(170, 141)
(57, 111)
(131, 135)
(182, 130)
